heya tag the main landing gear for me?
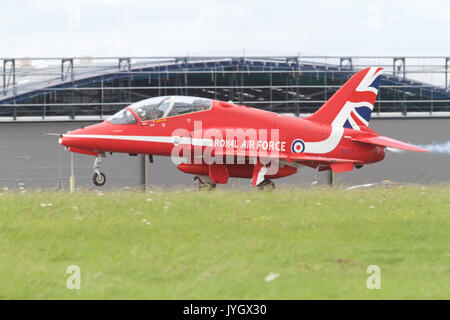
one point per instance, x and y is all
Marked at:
(204, 185)
(99, 177)
(266, 185)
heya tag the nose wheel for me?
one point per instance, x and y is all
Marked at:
(99, 177)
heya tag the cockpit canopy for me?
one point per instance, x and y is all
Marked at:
(161, 107)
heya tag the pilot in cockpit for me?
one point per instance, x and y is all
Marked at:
(200, 105)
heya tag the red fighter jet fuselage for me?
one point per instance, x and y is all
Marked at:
(215, 140)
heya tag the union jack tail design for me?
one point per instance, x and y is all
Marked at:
(351, 106)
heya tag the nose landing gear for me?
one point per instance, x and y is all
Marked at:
(99, 177)
(99, 180)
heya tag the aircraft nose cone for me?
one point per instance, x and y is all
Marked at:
(61, 140)
(85, 138)
(67, 139)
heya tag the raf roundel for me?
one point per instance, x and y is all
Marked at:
(297, 146)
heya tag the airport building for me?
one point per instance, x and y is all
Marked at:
(54, 95)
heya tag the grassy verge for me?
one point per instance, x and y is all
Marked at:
(223, 244)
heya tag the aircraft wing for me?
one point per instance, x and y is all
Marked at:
(336, 164)
(281, 156)
(247, 154)
(388, 142)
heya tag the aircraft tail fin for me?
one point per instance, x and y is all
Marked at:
(351, 106)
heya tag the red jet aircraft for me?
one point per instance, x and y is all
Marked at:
(215, 140)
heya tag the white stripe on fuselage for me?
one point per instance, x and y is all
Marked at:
(161, 139)
(337, 131)
(326, 145)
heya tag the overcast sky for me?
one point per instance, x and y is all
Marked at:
(212, 27)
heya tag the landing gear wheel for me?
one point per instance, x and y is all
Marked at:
(203, 185)
(266, 185)
(206, 186)
(99, 179)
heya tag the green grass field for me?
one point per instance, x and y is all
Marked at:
(223, 244)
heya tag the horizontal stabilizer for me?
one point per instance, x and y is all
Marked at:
(389, 142)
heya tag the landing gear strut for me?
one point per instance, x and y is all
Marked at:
(203, 185)
(266, 185)
(99, 177)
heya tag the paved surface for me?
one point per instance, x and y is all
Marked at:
(38, 161)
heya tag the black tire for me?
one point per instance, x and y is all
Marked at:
(266, 185)
(206, 186)
(99, 180)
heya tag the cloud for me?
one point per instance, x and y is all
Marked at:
(169, 27)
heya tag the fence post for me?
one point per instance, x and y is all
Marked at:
(72, 175)
(330, 177)
(145, 161)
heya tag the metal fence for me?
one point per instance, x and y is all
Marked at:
(95, 87)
